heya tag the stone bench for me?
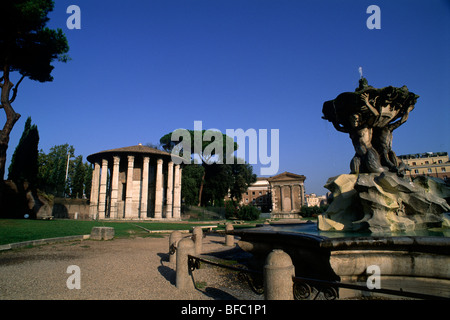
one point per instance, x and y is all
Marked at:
(102, 233)
(210, 228)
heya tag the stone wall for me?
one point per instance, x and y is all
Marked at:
(20, 201)
(65, 209)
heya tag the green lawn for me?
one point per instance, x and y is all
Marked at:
(12, 230)
(18, 230)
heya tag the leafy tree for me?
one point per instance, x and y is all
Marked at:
(24, 162)
(190, 183)
(207, 158)
(77, 178)
(223, 179)
(52, 173)
(28, 47)
(87, 178)
(242, 177)
(217, 177)
(52, 169)
(217, 182)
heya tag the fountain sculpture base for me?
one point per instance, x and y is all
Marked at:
(385, 202)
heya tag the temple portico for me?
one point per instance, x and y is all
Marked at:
(288, 195)
(135, 183)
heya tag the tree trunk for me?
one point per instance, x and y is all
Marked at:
(201, 190)
(11, 119)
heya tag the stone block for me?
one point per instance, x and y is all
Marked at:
(385, 202)
(325, 224)
(102, 233)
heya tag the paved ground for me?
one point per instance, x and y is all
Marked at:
(129, 269)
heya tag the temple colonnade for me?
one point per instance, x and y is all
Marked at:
(135, 183)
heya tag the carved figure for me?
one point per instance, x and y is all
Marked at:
(369, 116)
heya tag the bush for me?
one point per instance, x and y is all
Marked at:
(231, 210)
(313, 211)
(248, 213)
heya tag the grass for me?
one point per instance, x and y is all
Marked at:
(18, 230)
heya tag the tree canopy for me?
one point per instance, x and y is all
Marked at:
(211, 144)
(210, 181)
(28, 47)
(53, 168)
(26, 44)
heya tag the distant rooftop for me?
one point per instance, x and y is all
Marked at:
(423, 155)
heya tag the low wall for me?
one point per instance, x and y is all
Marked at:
(19, 200)
(65, 209)
(285, 215)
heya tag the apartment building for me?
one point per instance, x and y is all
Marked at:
(434, 164)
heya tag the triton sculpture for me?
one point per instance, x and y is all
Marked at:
(376, 196)
(370, 116)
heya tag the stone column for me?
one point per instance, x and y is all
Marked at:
(169, 196)
(93, 208)
(302, 194)
(292, 198)
(177, 193)
(129, 189)
(272, 197)
(281, 198)
(144, 190)
(114, 187)
(159, 191)
(102, 198)
(180, 176)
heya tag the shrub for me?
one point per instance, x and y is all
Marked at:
(231, 210)
(248, 213)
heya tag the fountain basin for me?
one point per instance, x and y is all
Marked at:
(413, 263)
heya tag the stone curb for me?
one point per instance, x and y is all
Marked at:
(22, 244)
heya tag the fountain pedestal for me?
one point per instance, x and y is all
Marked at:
(381, 202)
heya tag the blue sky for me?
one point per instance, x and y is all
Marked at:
(141, 69)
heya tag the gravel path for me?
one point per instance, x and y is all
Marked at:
(128, 269)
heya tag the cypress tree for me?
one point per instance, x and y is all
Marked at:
(24, 162)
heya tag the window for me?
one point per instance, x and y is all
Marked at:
(414, 164)
(440, 161)
(416, 171)
(426, 162)
(443, 170)
(253, 193)
(429, 170)
(260, 193)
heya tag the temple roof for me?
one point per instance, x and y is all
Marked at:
(132, 150)
(287, 176)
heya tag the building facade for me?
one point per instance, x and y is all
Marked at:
(288, 195)
(313, 200)
(435, 164)
(283, 195)
(258, 195)
(135, 183)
